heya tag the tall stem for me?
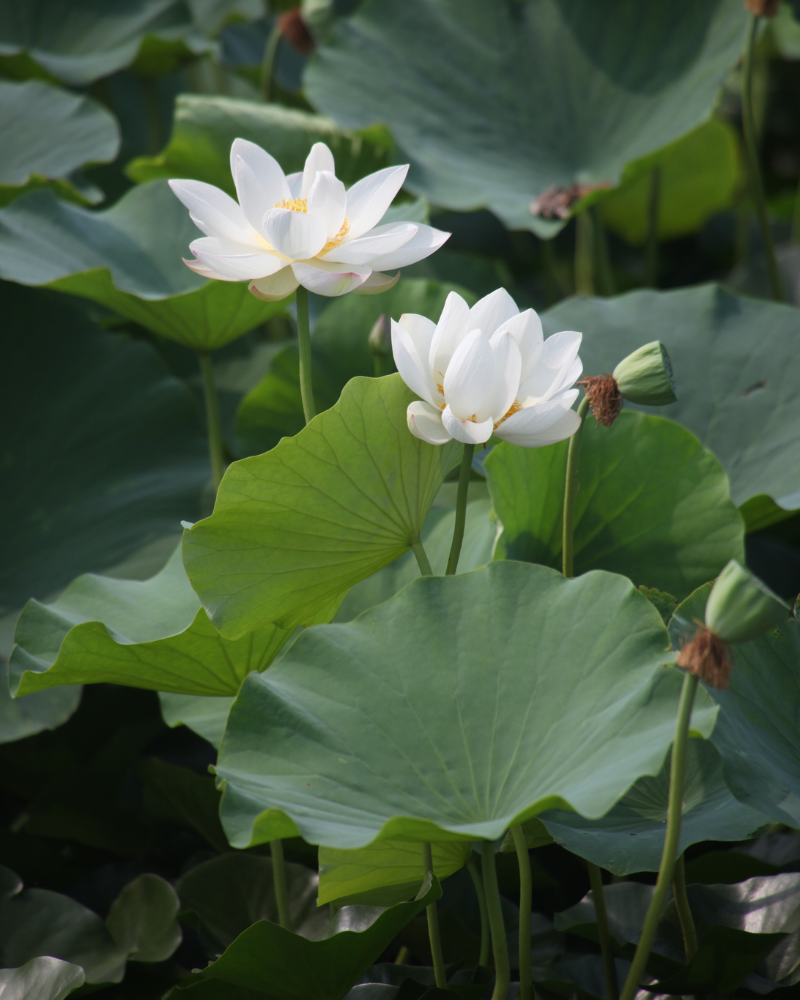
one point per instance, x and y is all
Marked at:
(304, 344)
(603, 930)
(268, 62)
(422, 557)
(502, 968)
(525, 907)
(584, 254)
(461, 508)
(674, 811)
(751, 146)
(433, 926)
(215, 443)
(279, 881)
(602, 255)
(570, 487)
(483, 958)
(653, 217)
(684, 910)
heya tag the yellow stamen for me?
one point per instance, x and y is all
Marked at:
(337, 239)
(515, 407)
(293, 204)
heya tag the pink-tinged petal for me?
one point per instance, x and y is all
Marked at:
(295, 235)
(526, 329)
(422, 244)
(492, 311)
(235, 261)
(466, 431)
(276, 287)
(327, 201)
(328, 283)
(555, 361)
(376, 245)
(507, 366)
(425, 423)
(411, 366)
(543, 423)
(450, 331)
(376, 283)
(368, 199)
(320, 158)
(205, 271)
(470, 375)
(295, 182)
(267, 170)
(212, 210)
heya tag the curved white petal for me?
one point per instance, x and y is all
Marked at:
(328, 283)
(276, 287)
(411, 366)
(470, 375)
(327, 201)
(555, 361)
(425, 422)
(526, 328)
(507, 366)
(422, 244)
(368, 199)
(212, 210)
(450, 331)
(572, 376)
(295, 182)
(296, 235)
(466, 430)
(374, 246)
(543, 423)
(319, 158)
(252, 196)
(422, 331)
(492, 311)
(236, 261)
(205, 271)
(376, 283)
(266, 169)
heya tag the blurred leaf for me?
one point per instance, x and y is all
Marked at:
(206, 716)
(182, 796)
(142, 919)
(21, 717)
(40, 979)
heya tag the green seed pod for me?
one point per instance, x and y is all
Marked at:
(380, 337)
(645, 376)
(740, 607)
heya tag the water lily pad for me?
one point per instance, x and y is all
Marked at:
(495, 104)
(652, 503)
(294, 529)
(391, 726)
(41, 979)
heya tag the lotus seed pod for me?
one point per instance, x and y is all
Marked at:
(380, 337)
(645, 376)
(740, 607)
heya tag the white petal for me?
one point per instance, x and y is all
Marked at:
(266, 169)
(376, 283)
(469, 376)
(320, 158)
(466, 430)
(374, 246)
(212, 210)
(295, 182)
(205, 271)
(296, 235)
(572, 376)
(368, 199)
(276, 287)
(410, 364)
(425, 422)
(526, 328)
(543, 423)
(252, 196)
(507, 365)
(490, 312)
(236, 261)
(422, 244)
(422, 331)
(327, 201)
(329, 283)
(557, 357)
(450, 331)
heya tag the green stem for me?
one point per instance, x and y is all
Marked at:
(751, 147)
(584, 280)
(215, 444)
(279, 881)
(603, 931)
(653, 216)
(433, 926)
(674, 810)
(502, 968)
(422, 557)
(304, 343)
(525, 907)
(570, 488)
(483, 958)
(684, 910)
(268, 63)
(461, 508)
(602, 255)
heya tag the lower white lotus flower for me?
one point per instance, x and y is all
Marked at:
(487, 370)
(304, 229)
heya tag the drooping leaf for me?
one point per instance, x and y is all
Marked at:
(651, 503)
(392, 726)
(204, 715)
(493, 105)
(294, 529)
(41, 979)
(21, 717)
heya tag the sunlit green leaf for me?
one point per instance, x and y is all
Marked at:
(204, 715)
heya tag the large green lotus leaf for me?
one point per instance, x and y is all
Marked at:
(204, 129)
(151, 634)
(630, 838)
(736, 369)
(21, 717)
(204, 715)
(393, 727)
(295, 528)
(41, 979)
(652, 503)
(128, 258)
(103, 450)
(757, 731)
(493, 104)
(700, 174)
(384, 873)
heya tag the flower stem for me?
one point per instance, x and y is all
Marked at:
(483, 958)
(570, 488)
(525, 907)
(653, 215)
(268, 62)
(215, 444)
(433, 926)
(461, 508)
(684, 910)
(304, 343)
(751, 146)
(422, 557)
(502, 968)
(603, 930)
(674, 811)
(279, 881)
(602, 254)
(584, 254)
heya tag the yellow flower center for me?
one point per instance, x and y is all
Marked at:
(293, 204)
(515, 407)
(337, 239)
(301, 205)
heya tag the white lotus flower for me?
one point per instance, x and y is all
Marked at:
(304, 229)
(487, 370)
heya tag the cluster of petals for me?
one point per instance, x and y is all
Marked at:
(487, 371)
(301, 229)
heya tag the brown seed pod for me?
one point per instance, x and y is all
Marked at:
(295, 30)
(556, 202)
(763, 8)
(707, 657)
(604, 397)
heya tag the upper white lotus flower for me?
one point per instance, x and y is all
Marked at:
(487, 370)
(304, 229)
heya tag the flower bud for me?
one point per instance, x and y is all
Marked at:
(645, 376)
(740, 607)
(380, 337)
